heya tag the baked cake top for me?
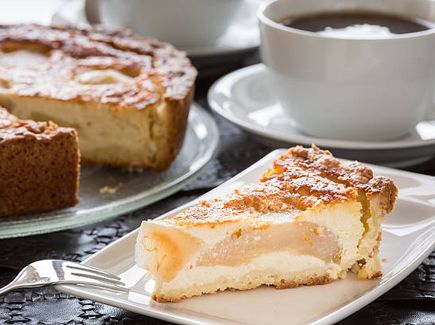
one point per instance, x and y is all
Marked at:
(13, 128)
(107, 66)
(300, 179)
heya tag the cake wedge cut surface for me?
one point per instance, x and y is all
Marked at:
(309, 220)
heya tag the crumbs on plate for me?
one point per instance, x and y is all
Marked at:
(111, 189)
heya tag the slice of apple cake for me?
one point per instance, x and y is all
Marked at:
(309, 220)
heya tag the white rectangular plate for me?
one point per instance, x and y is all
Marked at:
(408, 237)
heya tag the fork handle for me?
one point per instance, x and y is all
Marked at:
(16, 285)
(21, 281)
(9, 287)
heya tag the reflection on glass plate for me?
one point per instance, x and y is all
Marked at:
(107, 192)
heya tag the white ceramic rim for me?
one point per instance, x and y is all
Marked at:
(390, 38)
(233, 77)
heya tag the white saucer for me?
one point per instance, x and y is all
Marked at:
(246, 99)
(240, 37)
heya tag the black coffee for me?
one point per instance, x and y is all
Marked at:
(348, 21)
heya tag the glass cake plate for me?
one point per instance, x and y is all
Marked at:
(107, 192)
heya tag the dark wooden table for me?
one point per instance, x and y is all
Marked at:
(410, 302)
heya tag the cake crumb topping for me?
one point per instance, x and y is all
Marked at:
(300, 179)
(12, 127)
(107, 66)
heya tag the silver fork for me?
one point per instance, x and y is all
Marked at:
(47, 272)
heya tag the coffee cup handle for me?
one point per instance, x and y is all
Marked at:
(92, 11)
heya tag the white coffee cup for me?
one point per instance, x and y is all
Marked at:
(344, 88)
(184, 23)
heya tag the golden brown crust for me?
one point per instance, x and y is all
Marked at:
(72, 51)
(300, 179)
(322, 163)
(385, 189)
(11, 128)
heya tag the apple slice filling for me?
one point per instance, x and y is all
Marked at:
(298, 238)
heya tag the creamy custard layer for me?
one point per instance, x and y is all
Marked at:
(281, 269)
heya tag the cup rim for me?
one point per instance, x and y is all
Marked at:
(261, 16)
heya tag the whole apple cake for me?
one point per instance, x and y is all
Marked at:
(127, 97)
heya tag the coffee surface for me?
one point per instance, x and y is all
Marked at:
(357, 23)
